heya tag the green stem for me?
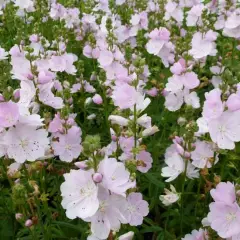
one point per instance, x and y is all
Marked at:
(135, 130)
(182, 193)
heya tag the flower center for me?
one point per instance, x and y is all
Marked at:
(231, 216)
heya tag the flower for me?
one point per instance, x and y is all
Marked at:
(79, 194)
(56, 125)
(137, 208)
(3, 54)
(9, 114)
(213, 106)
(27, 93)
(106, 58)
(233, 102)
(150, 131)
(115, 176)
(144, 161)
(127, 236)
(194, 15)
(47, 97)
(97, 99)
(203, 155)
(26, 143)
(144, 121)
(176, 166)
(174, 101)
(232, 26)
(118, 120)
(197, 235)
(124, 96)
(108, 216)
(170, 197)
(202, 45)
(224, 192)
(225, 130)
(224, 218)
(68, 147)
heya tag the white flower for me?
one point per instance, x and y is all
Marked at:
(192, 99)
(150, 131)
(176, 166)
(79, 194)
(232, 26)
(203, 155)
(118, 120)
(202, 126)
(202, 46)
(127, 236)
(108, 217)
(3, 147)
(194, 15)
(144, 121)
(116, 177)
(170, 197)
(173, 102)
(3, 54)
(27, 93)
(142, 103)
(225, 130)
(26, 143)
(47, 97)
(24, 4)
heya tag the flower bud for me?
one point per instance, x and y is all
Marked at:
(28, 223)
(81, 165)
(18, 216)
(97, 99)
(97, 177)
(16, 94)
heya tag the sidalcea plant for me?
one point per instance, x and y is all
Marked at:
(103, 103)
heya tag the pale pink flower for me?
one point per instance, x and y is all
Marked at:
(174, 11)
(224, 218)
(126, 143)
(203, 155)
(225, 130)
(124, 96)
(232, 26)
(137, 208)
(45, 76)
(25, 143)
(202, 46)
(106, 58)
(225, 192)
(233, 102)
(108, 216)
(174, 101)
(68, 147)
(79, 194)
(9, 114)
(47, 97)
(97, 99)
(56, 125)
(213, 106)
(197, 235)
(190, 80)
(116, 177)
(194, 15)
(145, 161)
(27, 93)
